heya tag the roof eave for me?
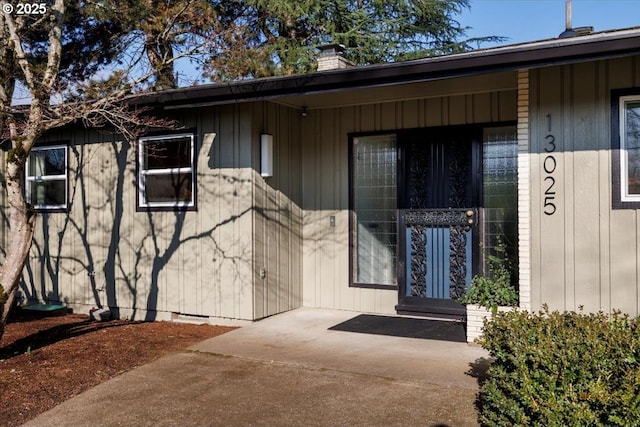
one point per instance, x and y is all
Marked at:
(531, 55)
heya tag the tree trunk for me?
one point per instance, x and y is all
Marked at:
(22, 220)
(160, 55)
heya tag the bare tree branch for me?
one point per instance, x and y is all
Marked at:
(95, 103)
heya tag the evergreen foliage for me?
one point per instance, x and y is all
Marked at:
(496, 288)
(239, 39)
(561, 369)
(281, 37)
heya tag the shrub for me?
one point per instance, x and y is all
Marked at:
(495, 289)
(490, 293)
(561, 369)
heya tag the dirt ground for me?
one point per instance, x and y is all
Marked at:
(47, 360)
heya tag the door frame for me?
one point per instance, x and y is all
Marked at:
(402, 135)
(473, 135)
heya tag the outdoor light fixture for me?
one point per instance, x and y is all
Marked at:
(266, 155)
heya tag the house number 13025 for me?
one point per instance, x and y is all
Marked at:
(549, 165)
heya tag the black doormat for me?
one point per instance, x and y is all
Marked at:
(404, 327)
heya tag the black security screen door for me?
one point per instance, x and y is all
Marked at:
(423, 202)
(440, 173)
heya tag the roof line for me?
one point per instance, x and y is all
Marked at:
(594, 46)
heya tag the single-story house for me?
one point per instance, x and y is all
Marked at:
(378, 189)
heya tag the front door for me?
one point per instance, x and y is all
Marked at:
(439, 173)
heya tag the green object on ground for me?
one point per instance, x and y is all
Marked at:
(45, 309)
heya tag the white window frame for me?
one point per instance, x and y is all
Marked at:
(30, 179)
(624, 159)
(142, 173)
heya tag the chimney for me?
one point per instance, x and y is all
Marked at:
(331, 58)
(569, 31)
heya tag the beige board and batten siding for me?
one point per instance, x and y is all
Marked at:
(277, 242)
(156, 265)
(325, 172)
(583, 252)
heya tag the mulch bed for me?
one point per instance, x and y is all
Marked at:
(47, 360)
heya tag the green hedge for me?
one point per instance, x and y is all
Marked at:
(561, 369)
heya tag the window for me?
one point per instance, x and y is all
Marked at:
(46, 178)
(629, 140)
(500, 193)
(625, 144)
(166, 176)
(374, 203)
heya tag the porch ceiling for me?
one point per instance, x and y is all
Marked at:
(402, 92)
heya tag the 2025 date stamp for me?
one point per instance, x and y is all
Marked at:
(24, 8)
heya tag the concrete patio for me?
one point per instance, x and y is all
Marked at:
(290, 370)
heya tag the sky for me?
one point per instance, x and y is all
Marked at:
(529, 20)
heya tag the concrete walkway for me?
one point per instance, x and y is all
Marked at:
(289, 370)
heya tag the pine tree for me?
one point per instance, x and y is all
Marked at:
(280, 37)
